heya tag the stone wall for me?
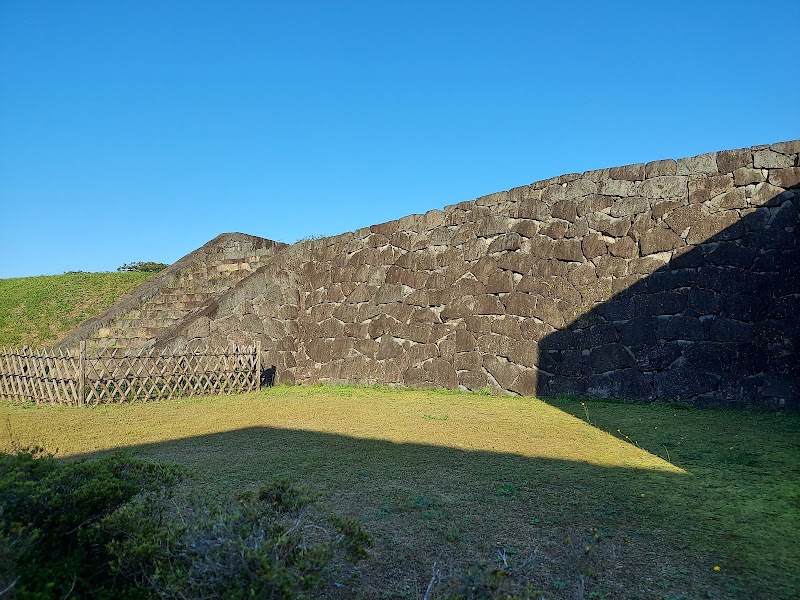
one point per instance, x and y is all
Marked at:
(671, 280)
(136, 320)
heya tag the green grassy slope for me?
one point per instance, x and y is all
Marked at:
(37, 311)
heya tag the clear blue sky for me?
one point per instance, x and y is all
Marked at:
(140, 130)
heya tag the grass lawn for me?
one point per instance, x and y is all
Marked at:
(597, 500)
(37, 311)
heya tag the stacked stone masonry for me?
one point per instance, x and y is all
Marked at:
(666, 281)
(140, 318)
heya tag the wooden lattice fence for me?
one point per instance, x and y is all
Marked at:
(119, 375)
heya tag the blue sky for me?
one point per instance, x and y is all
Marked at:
(140, 130)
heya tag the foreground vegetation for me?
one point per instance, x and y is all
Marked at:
(469, 495)
(38, 311)
(113, 529)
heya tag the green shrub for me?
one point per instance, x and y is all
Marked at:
(112, 528)
(51, 543)
(265, 543)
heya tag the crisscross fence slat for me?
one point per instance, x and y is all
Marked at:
(119, 375)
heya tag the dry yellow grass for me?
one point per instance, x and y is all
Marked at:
(498, 424)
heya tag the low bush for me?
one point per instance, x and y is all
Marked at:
(113, 528)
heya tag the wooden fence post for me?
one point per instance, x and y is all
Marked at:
(82, 373)
(258, 365)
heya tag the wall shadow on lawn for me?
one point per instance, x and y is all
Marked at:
(415, 495)
(719, 324)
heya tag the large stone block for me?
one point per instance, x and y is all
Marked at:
(506, 242)
(473, 380)
(593, 245)
(703, 187)
(659, 239)
(615, 227)
(533, 208)
(468, 361)
(659, 168)
(627, 207)
(683, 383)
(628, 172)
(568, 250)
(729, 161)
(769, 159)
(785, 178)
(695, 165)
(593, 203)
(580, 187)
(666, 186)
(764, 193)
(503, 371)
(707, 227)
(680, 328)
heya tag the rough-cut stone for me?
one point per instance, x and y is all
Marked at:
(553, 193)
(566, 210)
(659, 239)
(612, 266)
(569, 250)
(694, 165)
(792, 147)
(593, 245)
(785, 178)
(505, 242)
(735, 198)
(680, 328)
(729, 161)
(683, 217)
(523, 305)
(627, 207)
(658, 168)
(702, 187)
(556, 229)
(629, 172)
(624, 247)
(615, 227)
(619, 187)
(469, 361)
(593, 203)
(769, 159)
(526, 228)
(747, 175)
(580, 188)
(659, 209)
(705, 229)
(533, 208)
(667, 186)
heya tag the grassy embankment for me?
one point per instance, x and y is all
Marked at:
(38, 311)
(444, 480)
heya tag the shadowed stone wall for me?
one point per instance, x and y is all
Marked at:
(659, 281)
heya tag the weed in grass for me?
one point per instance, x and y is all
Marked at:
(434, 418)
(506, 490)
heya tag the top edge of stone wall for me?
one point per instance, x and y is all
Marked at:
(669, 177)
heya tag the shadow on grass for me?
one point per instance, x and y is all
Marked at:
(666, 529)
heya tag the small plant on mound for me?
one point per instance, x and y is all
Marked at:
(142, 267)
